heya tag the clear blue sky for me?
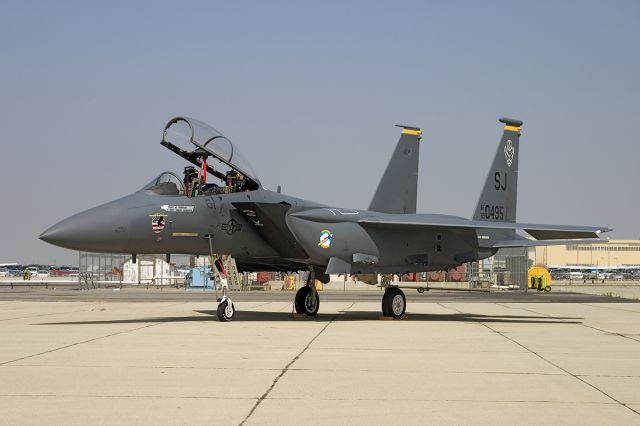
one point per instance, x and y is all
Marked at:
(311, 92)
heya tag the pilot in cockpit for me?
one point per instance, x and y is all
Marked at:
(230, 178)
(239, 184)
(235, 181)
(191, 182)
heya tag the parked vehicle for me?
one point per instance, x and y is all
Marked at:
(182, 270)
(14, 272)
(58, 271)
(574, 275)
(4, 272)
(63, 271)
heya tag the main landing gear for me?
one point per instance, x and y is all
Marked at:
(394, 303)
(307, 301)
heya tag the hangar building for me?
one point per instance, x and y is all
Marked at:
(614, 253)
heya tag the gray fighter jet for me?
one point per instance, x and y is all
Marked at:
(220, 206)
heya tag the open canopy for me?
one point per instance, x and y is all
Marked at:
(181, 131)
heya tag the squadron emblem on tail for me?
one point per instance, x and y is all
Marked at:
(509, 152)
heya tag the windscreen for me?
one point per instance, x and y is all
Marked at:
(166, 184)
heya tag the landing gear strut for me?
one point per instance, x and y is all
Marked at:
(225, 310)
(394, 303)
(307, 301)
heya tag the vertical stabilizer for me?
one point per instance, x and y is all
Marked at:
(500, 191)
(398, 189)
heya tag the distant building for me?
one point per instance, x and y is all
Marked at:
(147, 269)
(614, 253)
(118, 267)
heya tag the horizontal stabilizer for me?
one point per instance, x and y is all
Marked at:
(524, 242)
(551, 234)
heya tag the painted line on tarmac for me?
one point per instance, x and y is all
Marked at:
(613, 333)
(546, 360)
(287, 367)
(259, 305)
(44, 315)
(609, 307)
(79, 343)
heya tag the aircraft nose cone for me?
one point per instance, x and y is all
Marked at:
(100, 229)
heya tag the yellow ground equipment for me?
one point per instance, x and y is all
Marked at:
(289, 282)
(539, 278)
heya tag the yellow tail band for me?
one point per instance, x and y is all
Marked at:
(411, 132)
(513, 128)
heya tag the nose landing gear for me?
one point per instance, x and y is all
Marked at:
(225, 310)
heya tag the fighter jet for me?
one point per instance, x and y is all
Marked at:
(220, 207)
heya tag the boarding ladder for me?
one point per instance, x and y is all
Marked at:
(233, 277)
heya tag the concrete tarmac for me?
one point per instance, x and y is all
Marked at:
(455, 360)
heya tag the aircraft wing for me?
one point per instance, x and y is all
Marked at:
(537, 231)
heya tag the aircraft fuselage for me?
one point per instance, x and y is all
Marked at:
(262, 230)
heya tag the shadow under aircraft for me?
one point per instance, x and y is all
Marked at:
(348, 315)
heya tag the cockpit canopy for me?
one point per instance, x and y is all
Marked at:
(189, 133)
(197, 142)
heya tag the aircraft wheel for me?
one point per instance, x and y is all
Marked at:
(307, 301)
(420, 290)
(547, 289)
(394, 303)
(226, 310)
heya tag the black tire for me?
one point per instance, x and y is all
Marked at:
(420, 290)
(306, 302)
(226, 311)
(547, 289)
(394, 303)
